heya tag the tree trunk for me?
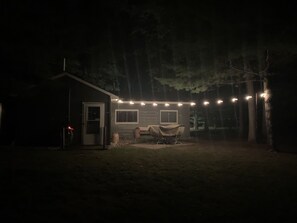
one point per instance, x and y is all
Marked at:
(267, 110)
(241, 122)
(251, 111)
(206, 123)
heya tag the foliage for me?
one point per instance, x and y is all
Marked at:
(123, 44)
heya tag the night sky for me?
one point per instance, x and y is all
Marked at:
(123, 45)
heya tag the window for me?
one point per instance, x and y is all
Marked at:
(168, 117)
(126, 116)
(93, 120)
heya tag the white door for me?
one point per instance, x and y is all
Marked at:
(93, 123)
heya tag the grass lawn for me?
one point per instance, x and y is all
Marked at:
(206, 181)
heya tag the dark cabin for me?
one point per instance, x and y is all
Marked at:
(64, 100)
(7, 119)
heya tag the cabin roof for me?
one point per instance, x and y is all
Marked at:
(65, 74)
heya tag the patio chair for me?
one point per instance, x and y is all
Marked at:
(154, 131)
(179, 134)
(170, 134)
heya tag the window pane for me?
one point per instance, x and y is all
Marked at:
(132, 116)
(126, 116)
(172, 117)
(93, 120)
(168, 117)
(93, 113)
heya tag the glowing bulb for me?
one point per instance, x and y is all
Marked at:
(206, 103)
(193, 104)
(248, 97)
(155, 104)
(120, 101)
(131, 103)
(263, 95)
(142, 104)
(234, 99)
(219, 101)
(179, 104)
(166, 105)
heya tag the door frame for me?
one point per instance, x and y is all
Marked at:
(86, 140)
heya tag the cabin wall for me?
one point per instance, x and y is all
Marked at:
(7, 122)
(78, 94)
(40, 115)
(148, 115)
(44, 110)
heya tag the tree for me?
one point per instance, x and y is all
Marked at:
(236, 53)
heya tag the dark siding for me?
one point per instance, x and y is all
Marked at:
(40, 115)
(8, 121)
(43, 111)
(80, 93)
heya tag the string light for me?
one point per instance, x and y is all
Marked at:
(179, 104)
(219, 101)
(206, 103)
(248, 97)
(234, 99)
